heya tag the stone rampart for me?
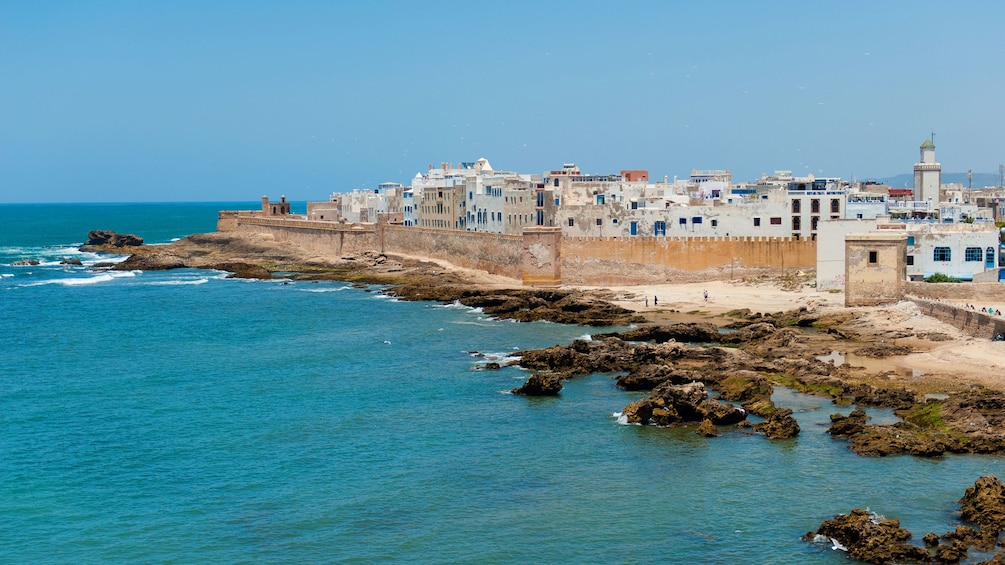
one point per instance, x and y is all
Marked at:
(975, 323)
(637, 260)
(327, 239)
(495, 253)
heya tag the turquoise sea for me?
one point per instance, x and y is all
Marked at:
(183, 417)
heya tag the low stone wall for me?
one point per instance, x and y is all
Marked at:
(494, 253)
(977, 324)
(978, 294)
(638, 260)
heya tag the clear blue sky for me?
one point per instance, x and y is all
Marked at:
(196, 101)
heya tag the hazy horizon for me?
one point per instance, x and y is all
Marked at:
(132, 102)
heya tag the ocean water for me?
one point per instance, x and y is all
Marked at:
(183, 417)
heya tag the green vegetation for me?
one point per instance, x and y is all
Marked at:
(928, 416)
(941, 278)
(818, 388)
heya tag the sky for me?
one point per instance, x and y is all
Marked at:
(139, 101)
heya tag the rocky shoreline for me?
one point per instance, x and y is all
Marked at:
(742, 359)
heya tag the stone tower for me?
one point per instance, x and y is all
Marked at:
(927, 175)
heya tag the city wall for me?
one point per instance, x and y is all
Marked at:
(638, 260)
(975, 323)
(327, 239)
(495, 253)
(544, 259)
(980, 295)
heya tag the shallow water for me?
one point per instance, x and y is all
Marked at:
(185, 417)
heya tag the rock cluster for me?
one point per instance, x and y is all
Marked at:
(108, 238)
(540, 384)
(873, 539)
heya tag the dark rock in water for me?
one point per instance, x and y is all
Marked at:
(110, 238)
(673, 404)
(491, 366)
(779, 425)
(649, 376)
(847, 426)
(984, 504)
(707, 429)
(540, 384)
(25, 263)
(869, 538)
(70, 262)
(638, 412)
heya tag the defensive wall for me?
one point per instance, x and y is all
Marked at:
(979, 294)
(495, 253)
(541, 256)
(638, 260)
(975, 323)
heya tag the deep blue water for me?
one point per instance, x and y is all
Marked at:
(182, 417)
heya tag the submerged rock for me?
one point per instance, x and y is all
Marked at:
(25, 263)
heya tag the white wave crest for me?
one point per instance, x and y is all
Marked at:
(179, 282)
(329, 289)
(585, 337)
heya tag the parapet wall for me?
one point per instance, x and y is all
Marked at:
(977, 324)
(495, 253)
(637, 260)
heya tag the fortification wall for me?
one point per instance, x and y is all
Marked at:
(977, 324)
(495, 253)
(638, 260)
(327, 239)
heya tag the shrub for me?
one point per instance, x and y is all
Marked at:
(941, 278)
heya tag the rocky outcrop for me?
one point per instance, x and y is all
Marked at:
(707, 428)
(870, 538)
(540, 384)
(25, 263)
(651, 375)
(676, 404)
(72, 261)
(778, 425)
(108, 238)
(873, 539)
(984, 504)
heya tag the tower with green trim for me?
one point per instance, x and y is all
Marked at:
(927, 176)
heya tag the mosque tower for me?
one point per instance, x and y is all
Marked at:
(927, 175)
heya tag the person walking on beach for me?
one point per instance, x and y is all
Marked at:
(647, 302)
(656, 301)
(706, 296)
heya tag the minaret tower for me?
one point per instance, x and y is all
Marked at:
(927, 175)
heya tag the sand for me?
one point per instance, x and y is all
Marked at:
(958, 362)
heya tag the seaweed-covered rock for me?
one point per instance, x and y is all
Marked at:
(778, 425)
(984, 504)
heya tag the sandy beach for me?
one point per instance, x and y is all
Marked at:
(957, 362)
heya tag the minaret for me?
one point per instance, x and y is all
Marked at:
(927, 175)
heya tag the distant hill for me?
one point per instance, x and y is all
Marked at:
(906, 180)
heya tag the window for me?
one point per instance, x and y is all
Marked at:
(835, 205)
(682, 221)
(757, 222)
(972, 254)
(796, 205)
(813, 222)
(942, 254)
(556, 184)
(696, 220)
(715, 223)
(570, 222)
(815, 206)
(634, 228)
(600, 222)
(796, 223)
(635, 205)
(910, 259)
(659, 228)
(910, 241)
(873, 257)
(777, 221)
(614, 221)
(989, 258)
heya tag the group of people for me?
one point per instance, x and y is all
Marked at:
(985, 309)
